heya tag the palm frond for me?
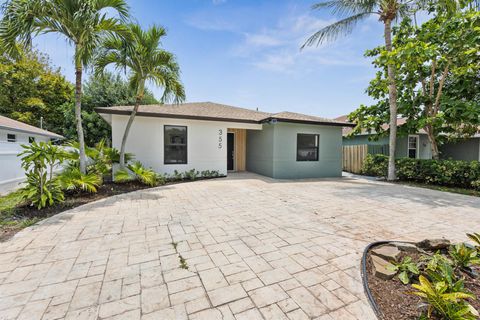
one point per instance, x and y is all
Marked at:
(333, 31)
(345, 8)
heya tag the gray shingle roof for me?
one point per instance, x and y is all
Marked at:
(218, 112)
(7, 123)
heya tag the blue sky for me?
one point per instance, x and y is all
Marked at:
(247, 53)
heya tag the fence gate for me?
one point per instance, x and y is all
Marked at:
(353, 157)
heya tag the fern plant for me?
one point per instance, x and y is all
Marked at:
(72, 179)
(406, 269)
(448, 305)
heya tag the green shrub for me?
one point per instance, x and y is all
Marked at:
(122, 175)
(142, 174)
(41, 192)
(72, 179)
(375, 165)
(39, 160)
(191, 174)
(452, 173)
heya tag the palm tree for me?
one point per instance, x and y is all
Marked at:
(353, 12)
(82, 22)
(146, 61)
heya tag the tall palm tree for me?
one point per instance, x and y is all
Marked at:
(82, 22)
(145, 61)
(353, 12)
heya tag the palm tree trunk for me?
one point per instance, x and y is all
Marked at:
(78, 118)
(392, 96)
(138, 100)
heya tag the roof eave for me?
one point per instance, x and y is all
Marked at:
(50, 135)
(324, 123)
(173, 116)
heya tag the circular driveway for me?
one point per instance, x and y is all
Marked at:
(244, 247)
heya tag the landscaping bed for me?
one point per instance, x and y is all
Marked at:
(394, 299)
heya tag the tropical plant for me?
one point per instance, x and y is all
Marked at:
(82, 23)
(40, 191)
(475, 237)
(146, 61)
(405, 268)
(145, 176)
(448, 305)
(177, 176)
(440, 269)
(191, 174)
(122, 176)
(463, 256)
(39, 161)
(72, 179)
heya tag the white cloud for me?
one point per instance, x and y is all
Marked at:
(218, 2)
(278, 48)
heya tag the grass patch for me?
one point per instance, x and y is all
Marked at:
(468, 192)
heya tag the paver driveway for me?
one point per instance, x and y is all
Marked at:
(255, 248)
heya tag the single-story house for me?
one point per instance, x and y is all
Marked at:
(212, 136)
(412, 146)
(13, 134)
(465, 149)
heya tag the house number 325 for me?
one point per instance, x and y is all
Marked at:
(220, 139)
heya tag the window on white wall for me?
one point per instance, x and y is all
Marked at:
(307, 147)
(11, 137)
(175, 145)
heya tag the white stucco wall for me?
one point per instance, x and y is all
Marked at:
(206, 142)
(11, 172)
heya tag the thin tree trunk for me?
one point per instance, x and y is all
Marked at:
(78, 118)
(433, 142)
(392, 95)
(138, 100)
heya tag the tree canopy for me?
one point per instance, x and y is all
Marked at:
(438, 68)
(30, 89)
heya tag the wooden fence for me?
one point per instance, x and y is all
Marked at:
(354, 156)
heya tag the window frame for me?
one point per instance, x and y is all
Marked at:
(9, 139)
(417, 145)
(165, 145)
(317, 139)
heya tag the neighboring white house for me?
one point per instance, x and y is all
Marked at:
(12, 135)
(211, 136)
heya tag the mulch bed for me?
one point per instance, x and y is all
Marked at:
(72, 200)
(393, 300)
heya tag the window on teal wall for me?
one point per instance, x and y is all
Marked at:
(307, 147)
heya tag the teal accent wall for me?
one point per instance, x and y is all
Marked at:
(467, 150)
(424, 152)
(273, 151)
(260, 151)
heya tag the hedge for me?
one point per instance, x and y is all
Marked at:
(453, 173)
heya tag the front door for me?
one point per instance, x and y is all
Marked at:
(230, 150)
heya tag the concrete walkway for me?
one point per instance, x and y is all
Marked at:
(255, 249)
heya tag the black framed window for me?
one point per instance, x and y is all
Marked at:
(31, 139)
(11, 137)
(307, 147)
(175, 144)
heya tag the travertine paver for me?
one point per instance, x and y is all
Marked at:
(255, 248)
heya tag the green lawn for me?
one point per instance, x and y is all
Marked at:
(9, 220)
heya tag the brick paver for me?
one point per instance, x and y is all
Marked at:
(255, 248)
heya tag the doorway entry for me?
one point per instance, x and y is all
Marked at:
(230, 151)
